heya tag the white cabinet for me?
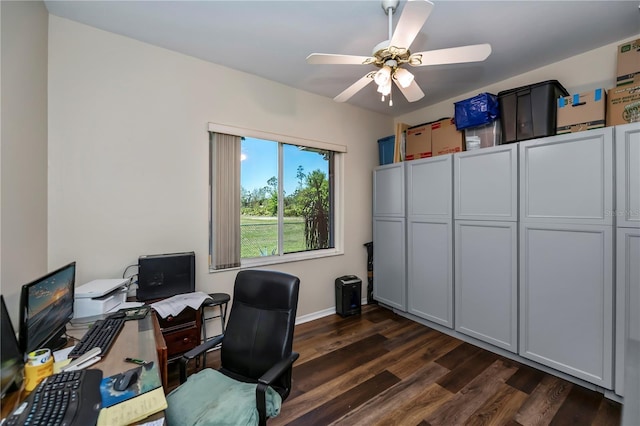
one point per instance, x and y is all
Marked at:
(388, 190)
(518, 246)
(566, 253)
(566, 293)
(430, 239)
(486, 245)
(429, 187)
(389, 236)
(628, 176)
(486, 184)
(389, 270)
(627, 215)
(486, 271)
(568, 178)
(627, 297)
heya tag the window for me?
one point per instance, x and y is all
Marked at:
(273, 198)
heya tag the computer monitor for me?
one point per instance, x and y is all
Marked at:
(165, 275)
(11, 357)
(46, 306)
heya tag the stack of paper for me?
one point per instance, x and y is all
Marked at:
(143, 397)
(176, 304)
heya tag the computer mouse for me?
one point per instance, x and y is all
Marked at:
(125, 380)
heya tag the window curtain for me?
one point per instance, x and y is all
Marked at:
(225, 201)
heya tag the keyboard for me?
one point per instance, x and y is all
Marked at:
(64, 399)
(101, 335)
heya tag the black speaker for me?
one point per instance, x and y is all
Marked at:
(348, 295)
(165, 275)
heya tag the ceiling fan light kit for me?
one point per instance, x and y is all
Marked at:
(390, 55)
(403, 77)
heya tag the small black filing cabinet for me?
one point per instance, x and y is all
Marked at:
(348, 295)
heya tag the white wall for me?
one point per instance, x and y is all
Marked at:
(128, 150)
(23, 147)
(587, 71)
(128, 155)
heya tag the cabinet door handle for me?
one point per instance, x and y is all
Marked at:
(185, 340)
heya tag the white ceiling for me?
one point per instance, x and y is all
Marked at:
(271, 39)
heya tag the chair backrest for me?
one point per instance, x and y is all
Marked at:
(261, 323)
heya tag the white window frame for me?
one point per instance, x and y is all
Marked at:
(338, 201)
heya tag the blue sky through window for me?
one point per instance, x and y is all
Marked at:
(260, 163)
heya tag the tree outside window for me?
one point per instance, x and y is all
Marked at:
(291, 217)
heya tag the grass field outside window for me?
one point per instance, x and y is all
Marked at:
(259, 235)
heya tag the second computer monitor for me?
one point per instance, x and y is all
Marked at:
(165, 275)
(11, 356)
(46, 306)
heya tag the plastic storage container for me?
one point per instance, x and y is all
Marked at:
(385, 148)
(529, 112)
(477, 111)
(483, 136)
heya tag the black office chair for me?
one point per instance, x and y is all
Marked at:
(256, 357)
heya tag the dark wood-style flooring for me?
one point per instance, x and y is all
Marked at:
(380, 368)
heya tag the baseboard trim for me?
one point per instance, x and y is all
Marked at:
(320, 314)
(315, 315)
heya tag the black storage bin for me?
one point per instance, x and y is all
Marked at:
(348, 295)
(529, 112)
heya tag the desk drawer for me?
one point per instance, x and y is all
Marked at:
(182, 340)
(186, 316)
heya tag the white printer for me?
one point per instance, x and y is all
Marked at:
(98, 297)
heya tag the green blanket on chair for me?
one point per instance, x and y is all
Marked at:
(210, 398)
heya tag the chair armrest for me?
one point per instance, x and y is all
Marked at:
(197, 351)
(267, 378)
(278, 369)
(200, 349)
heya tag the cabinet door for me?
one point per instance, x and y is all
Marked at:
(430, 270)
(486, 184)
(486, 281)
(628, 175)
(568, 178)
(429, 184)
(627, 297)
(388, 190)
(389, 270)
(566, 305)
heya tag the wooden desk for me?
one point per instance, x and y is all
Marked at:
(139, 339)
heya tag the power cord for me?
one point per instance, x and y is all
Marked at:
(124, 273)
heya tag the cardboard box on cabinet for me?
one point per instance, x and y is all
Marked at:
(445, 138)
(418, 143)
(582, 111)
(623, 105)
(628, 65)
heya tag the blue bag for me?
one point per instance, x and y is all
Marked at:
(477, 111)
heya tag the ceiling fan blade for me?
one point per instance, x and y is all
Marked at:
(412, 92)
(453, 55)
(414, 15)
(355, 88)
(331, 59)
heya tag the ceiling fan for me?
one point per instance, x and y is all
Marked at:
(390, 55)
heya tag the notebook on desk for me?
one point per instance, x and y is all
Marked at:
(133, 410)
